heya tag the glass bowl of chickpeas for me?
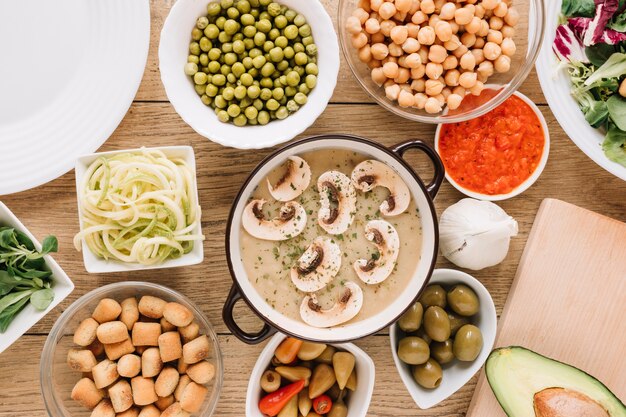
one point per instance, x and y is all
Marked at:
(130, 348)
(440, 61)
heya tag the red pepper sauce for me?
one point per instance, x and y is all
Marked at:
(494, 153)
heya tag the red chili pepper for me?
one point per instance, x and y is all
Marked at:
(322, 404)
(272, 403)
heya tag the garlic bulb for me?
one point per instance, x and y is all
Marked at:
(475, 234)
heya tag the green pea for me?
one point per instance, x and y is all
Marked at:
(274, 33)
(199, 78)
(202, 22)
(251, 112)
(232, 13)
(289, 52)
(291, 32)
(278, 93)
(282, 65)
(254, 52)
(311, 49)
(203, 60)
(259, 38)
(266, 94)
(274, 9)
(199, 89)
(263, 117)
(292, 106)
(231, 27)
(243, 6)
(272, 104)
(247, 62)
(255, 12)
(211, 90)
(267, 46)
(311, 81)
(194, 59)
(230, 58)
(264, 25)
(249, 42)
(226, 3)
(283, 101)
(231, 78)
(266, 82)
(300, 70)
(219, 22)
(253, 72)
(258, 104)
(222, 116)
(267, 69)
(247, 19)
(249, 31)
(228, 93)
(265, 15)
(246, 79)
(254, 3)
(299, 20)
(225, 69)
(300, 98)
(253, 92)
(240, 120)
(214, 67)
(264, 2)
(291, 15)
(194, 48)
(196, 34)
(290, 91)
(239, 92)
(224, 37)
(211, 31)
(258, 61)
(276, 54)
(282, 113)
(214, 54)
(219, 80)
(233, 110)
(302, 88)
(206, 100)
(191, 68)
(298, 47)
(238, 36)
(253, 122)
(281, 42)
(238, 69)
(293, 79)
(220, 102)
(305, 30)
(213, 9)
(301, 58)
(311, 68)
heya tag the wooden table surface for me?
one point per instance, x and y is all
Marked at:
(152, 121)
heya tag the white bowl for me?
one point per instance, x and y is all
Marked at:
(95, 264)
(529, 181)
(359, 400)
(62, 286)
(457, 373)
(173, 53)
(557, 88)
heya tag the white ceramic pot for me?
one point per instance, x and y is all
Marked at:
(423, 196)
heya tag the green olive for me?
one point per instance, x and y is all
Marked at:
(411, 320)
(442, 351)
(421, 333)
(413, 350)
(456, 322)
(463, 300)
(437, 324)
(467, 343)
(428, 374)
(433, 295)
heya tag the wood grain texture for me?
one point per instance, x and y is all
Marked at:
(567, 298)
(152, 121)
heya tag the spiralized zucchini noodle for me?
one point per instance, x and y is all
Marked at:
(138, 208)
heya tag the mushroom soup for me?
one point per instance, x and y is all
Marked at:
(330, 237)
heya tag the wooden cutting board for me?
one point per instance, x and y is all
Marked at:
(568, 299)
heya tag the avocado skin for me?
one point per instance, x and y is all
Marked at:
(515, 392)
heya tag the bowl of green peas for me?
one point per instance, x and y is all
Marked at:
(249, 74)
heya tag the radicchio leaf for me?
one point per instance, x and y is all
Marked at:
(585, 28)
(567, 46)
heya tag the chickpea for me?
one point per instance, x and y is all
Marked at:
(427, 6)
(501, 10)
(386, 26)
(389, 59)
(387, 10)
(389, 83)
(438, 5)
(443, 30)
(485, 69)
(450, 62)
(492, 51)
(413, 60)
(365, 54)
(365, 5)
(507, 31)
(468, 61)
(508, 47)
(419, 72)
(454, 26)
(467, 79)
(359, 40)
(403, 5)
(420, 100)
(392, 91)
(474, 25)
(375, 4)
(433, 70)
(622, 88)
(437, 54)
(413, 30)
(378, 76)
(480, 43)
(502, 64)
(374, 63)
(411, 45)
(468, 39)
(433, 20)
(395, 50)
(379, 51)
(399, 16)
(446, 92)
(406, 99)
(361, 14)
(447, 11)
(453, 43)
(494, 36)
(419, 17)
(426, 36)
(403, 76)
(512, 17)
(415, 6)
(434, 87)
(496, 23)
(463, 16)
(353, 25)
(399, 34)
(452, 77)
(454, 101)
(478, 55)
(460, 91)
(419, 86)
(481, 77)
(490, 4)
(423, 53)
(479, 11)
(432, 105)
(377, 38)
(477, 88)
(372, 26)
(390, 69)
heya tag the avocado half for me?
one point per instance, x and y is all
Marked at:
(528, 384)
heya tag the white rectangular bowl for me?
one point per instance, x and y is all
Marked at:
(95, 264)
(62, 286)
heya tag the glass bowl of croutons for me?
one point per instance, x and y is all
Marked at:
(440, 61)
(130, 349)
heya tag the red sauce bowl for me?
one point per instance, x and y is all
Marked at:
(504, 165)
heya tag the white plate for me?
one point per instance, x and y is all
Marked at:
(70, 70)
(62, 287)
(95, 264)
(556, 86)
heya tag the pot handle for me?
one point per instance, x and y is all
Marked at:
(227, 314)
(440, 171)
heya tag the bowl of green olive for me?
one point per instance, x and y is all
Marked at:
(248, 74)
(442, 340)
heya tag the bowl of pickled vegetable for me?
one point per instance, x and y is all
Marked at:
(249, 74)
(445, 337)
(295, 378)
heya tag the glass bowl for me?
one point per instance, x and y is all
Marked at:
(57, 379)
(528, 37)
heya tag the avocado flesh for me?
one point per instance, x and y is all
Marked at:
(521, 379)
